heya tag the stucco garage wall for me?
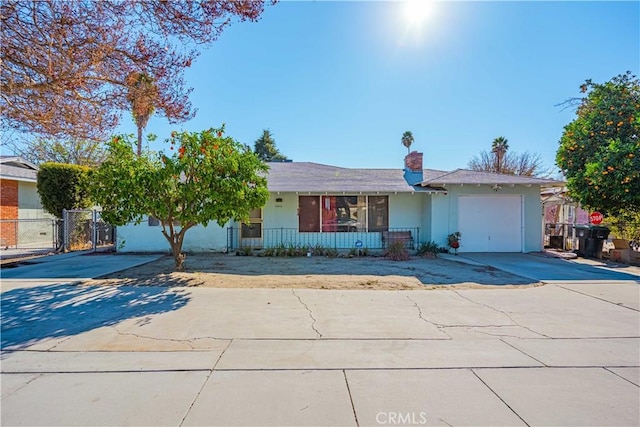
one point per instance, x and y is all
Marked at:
(444, 211)
(145, 238)
(29, 202)
(440, 218)
(425, 227)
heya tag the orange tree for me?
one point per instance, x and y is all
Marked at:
(599, 151)
(207, 177)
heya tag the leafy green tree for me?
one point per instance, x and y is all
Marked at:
(63, 186)
(407, 140)
(265, 148)
(624, 225)
(209, 177)
(599, 151)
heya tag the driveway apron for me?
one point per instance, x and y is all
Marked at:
(548, 270)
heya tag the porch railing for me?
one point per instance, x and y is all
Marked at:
(274, 237)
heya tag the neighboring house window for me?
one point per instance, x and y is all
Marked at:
(343, 213)
(253, 230)
(154, 222)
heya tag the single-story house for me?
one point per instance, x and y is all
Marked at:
(312, 204)
(19, 200)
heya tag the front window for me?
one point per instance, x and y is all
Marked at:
(253, 229)
(343, 213)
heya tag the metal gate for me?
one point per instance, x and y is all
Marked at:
(85, 230)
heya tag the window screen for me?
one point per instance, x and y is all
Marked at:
(378, 213)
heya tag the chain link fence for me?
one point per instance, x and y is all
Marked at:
(84, 230)
(79, 230)
(26, 237)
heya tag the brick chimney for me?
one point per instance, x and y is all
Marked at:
(413, 168)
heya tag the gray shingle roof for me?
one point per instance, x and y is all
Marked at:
(464, 176)
(15, 168)
(318, 178)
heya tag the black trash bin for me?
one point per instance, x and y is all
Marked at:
(598, 234)
(583, 232)
(590, 240)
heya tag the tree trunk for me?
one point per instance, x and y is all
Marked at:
(139, 141)
(176, 250)
(178, 256)
(175, 242)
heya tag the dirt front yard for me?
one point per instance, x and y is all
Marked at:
(231, 271)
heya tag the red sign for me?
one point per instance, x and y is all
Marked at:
(596, 218)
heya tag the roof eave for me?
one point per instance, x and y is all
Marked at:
(18, 178)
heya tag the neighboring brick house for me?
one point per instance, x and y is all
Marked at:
(18, 196)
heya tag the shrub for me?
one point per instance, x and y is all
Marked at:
(331, 253)
(63, 186)
(428, 249)
(318, 250)
(397, 252)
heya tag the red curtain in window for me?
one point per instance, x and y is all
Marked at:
(329, 214)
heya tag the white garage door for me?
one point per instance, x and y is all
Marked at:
(490, 223)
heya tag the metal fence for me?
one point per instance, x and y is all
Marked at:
(84, 229)
(23, 237)
(78, 230)
(560, 236)
(274, 237)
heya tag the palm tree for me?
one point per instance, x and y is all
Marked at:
(407, 140)
(499, 147)
(142, 94)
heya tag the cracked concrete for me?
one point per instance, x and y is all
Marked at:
(306, 307)
(561, 354)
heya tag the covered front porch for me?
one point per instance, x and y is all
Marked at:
(253, 236)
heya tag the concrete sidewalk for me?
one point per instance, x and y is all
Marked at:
(73, 266)
(565, 354)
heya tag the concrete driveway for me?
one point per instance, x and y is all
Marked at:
(547, 269)
(561, 354)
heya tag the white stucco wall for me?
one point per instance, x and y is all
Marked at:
(436, 215)
(145, 238)
(405, 210)
(29, 206)
(281, 214)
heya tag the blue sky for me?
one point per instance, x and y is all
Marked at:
(339, 82)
